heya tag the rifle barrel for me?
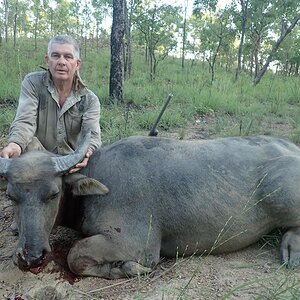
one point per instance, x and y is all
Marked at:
(153, 131)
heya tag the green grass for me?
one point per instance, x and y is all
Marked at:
(238, 108)
(6, 117)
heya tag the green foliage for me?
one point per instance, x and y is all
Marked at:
(6, 116)
(116, 123)
(235, 108)
(157, 26)
(211, 33)
(16, 63)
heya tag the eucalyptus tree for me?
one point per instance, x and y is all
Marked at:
(36, 7)
(5, 18)
(159, 26)
(263, 25)
(260, 25)
(63, 20)
(40, 11)
(15, 21)
(116, 45)
(288, 55)
(194, 45)
(9, 10)
(212, 31)
(1, 22)
(76, 11)
(200, 6)
(130, 8)
(184, 32)
(27, 19)
(286, 18)
(86, 25)
(101, 8)
(243, 15)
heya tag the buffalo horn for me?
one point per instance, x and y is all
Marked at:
(64, 163)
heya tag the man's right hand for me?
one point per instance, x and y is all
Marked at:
(11, 150)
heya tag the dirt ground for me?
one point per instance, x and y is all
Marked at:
(253, 273)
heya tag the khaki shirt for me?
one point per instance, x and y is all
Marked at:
(57, 128)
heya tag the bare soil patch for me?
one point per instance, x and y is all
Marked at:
(253, 273)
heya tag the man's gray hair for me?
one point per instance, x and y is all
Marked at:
(64, 39)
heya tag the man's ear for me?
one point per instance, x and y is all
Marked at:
(78, 64)
(46, 58)
(81, 185)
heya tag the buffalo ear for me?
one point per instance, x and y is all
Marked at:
(81, 185)
(89, 186)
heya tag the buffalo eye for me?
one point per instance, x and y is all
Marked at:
(53, 196)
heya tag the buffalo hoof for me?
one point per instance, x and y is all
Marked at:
(290, 248)
(109, 270)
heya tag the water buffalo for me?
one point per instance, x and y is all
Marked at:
(166, 197)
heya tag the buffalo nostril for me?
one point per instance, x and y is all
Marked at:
(21, 254)
(43, 256)
(24, 260)
(32, 259)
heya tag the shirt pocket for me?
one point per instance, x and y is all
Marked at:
(73, 120)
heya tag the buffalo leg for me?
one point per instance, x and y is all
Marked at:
(290, 248)
(109, 258)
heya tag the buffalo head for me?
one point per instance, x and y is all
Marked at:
(35, 187)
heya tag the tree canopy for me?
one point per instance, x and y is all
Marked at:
(243, 36)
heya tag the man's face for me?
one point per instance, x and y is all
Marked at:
(62, 62)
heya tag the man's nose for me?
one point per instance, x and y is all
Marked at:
(61, 60)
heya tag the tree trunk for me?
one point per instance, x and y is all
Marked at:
(116, 40)
(15, 23)
(36, 24)
(284, 34)
(97, 37)
(212, 61)
(151, 46)
(6, 11)
(127, 43)
(184, 36)
(297, 69)
(244, 5)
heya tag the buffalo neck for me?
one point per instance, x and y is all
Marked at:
(71, 210)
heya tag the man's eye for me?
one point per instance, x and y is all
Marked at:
(54, 55)
(68, 57)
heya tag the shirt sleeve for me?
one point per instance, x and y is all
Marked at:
(23, 127)
(91, 121)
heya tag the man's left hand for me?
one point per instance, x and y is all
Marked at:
(82, 164)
